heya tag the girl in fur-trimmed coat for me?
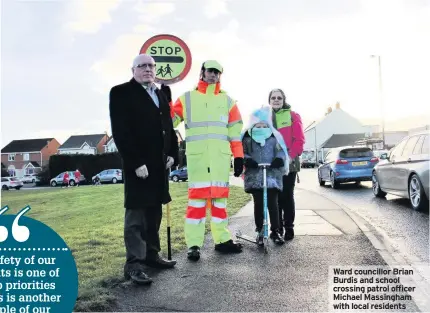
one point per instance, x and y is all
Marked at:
(262, 143)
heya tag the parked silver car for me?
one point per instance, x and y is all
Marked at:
(110, 175)
(404, 171)
(11, 183)
(29, 178)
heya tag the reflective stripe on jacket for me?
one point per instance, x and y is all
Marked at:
(212, 133)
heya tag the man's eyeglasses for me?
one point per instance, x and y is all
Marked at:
(144, 65)
(276, 98)
(213, 70)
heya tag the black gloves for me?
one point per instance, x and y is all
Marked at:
(167, 92)
(250, 163)
(238, 166)
(277, 163)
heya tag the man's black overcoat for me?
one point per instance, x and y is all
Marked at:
(143, 134)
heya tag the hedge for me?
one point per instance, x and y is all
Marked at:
(90, 165)
(4, 173)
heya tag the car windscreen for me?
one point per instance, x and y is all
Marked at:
(14, 179)
(356, 153)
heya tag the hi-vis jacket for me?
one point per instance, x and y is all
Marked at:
(289, 124)
(212, 133)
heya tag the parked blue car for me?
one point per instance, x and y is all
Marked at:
(179, 174)
(347, 164)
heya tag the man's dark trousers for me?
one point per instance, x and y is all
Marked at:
(287, 206)
(141, 237)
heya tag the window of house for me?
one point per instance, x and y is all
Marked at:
(11, 157)
(26, 156)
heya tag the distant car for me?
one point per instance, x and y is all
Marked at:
(110, 175)
(11, 183)
(378, 153)
(179, 174)
(404, 171)
(58, 180)
(308, 162)
(29, 178)
(347, 164)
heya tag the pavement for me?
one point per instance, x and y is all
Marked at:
(290, 278)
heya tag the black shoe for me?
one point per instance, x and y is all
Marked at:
(193, 253)
(229, 247)
(260, 239)
(289, 233)
(158, 262)
(138, 277)
(277, 238)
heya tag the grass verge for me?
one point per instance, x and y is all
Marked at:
(91, 222)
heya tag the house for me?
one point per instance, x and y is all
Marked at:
(111, 147)
(336, 122)
(21, 157)
(84, 144)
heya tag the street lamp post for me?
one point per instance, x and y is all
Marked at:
(316, 146)
(381, 99)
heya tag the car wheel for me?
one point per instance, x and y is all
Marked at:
(175, 178)
(320, 181)
(376, 188)
(72, 183)
(417, 196)
(4, 187)
(334, 184)
(54, 184)
(114, 180)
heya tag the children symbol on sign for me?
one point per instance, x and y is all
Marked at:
(160, 71)
(168, 70)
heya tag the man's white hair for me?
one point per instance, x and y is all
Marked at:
(137, 59)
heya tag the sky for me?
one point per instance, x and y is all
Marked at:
(59, 59)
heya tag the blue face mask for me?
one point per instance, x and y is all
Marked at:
(260, 134)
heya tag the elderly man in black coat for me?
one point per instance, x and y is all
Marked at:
(143, 133)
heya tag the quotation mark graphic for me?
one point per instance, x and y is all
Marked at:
(19, 233)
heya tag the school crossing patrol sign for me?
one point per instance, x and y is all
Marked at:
(172, 56)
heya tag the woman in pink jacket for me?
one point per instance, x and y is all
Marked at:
(289, 124)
